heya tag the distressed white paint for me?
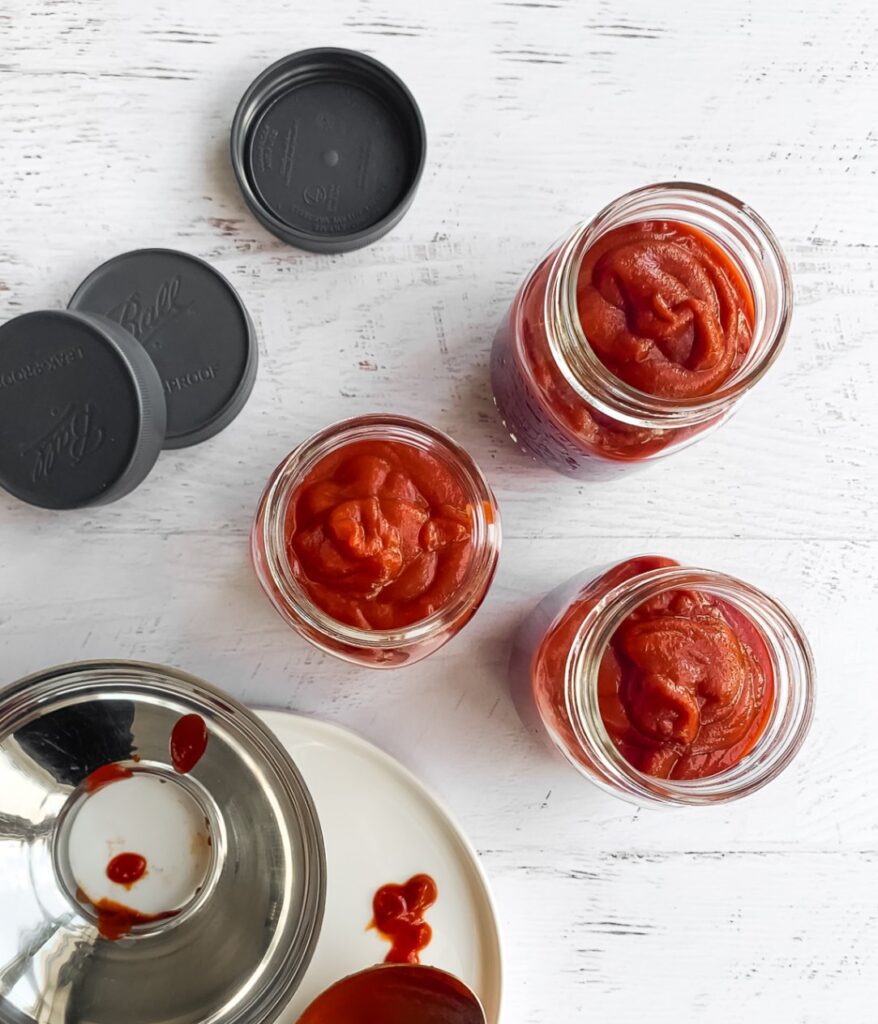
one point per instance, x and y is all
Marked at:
(113, 125)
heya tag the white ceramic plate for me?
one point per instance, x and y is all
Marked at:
(380, 824)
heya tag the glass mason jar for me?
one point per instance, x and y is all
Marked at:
(561, 404)
(275, 562)
(558, 653)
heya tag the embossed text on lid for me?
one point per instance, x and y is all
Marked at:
(193, 326)
(82, 414)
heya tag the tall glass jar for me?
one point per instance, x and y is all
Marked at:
(561, 404)
(557, 658)
(276, 563)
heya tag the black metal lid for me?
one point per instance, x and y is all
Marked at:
(82, 412)
(193, 326)
(328, 147)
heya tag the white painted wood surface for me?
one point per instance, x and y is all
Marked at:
(113, 134)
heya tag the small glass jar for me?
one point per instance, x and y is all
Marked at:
(375, 648)
(561, 404)
(558, 652)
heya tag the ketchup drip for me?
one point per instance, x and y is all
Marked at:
(104, 775)
(188, 743)
(126, 869)
(115, 920)
(399, 916)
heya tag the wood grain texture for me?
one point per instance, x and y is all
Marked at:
(114, 119)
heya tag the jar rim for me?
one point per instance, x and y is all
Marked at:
(574, 355)
(406, 430)
(793, 701)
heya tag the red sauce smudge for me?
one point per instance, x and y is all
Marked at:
(115, 920)
(399, 916)
(188, 743)
(126, 869)
(106, 774)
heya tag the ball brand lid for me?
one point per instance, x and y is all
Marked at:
(193, 326)
(328, 147)
(82, 413)
(155, 350)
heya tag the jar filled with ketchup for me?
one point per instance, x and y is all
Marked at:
(666, 684)
(642, 330)
(377, 540)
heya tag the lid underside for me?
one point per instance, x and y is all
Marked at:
(328, 146)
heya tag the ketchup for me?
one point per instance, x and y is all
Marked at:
(115, 920)
(662, 306)
(665, 308)
(685, 686)
(126, 869)
(401, 995)
(104, 775)
(399, 916)
(380, 534)
(188, 743)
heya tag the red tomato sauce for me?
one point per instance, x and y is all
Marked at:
(188, 743)
(126, 869)
(379, 534)
(395, 996)
(664, 308)
(399, 915)
(106, 774)
(114, 920)
(686, 685)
